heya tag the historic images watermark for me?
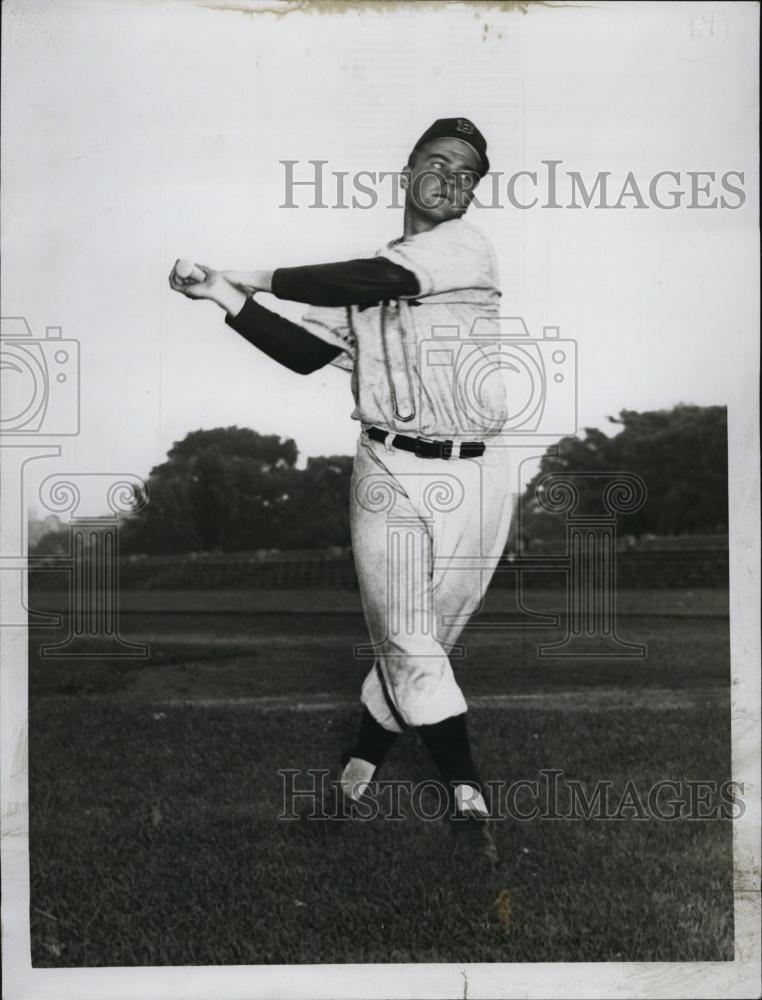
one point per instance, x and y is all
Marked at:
(552, 795)
(40, 404)
(550, 185)
(500, 379)
(41, 396)
(39, 377)
(496, 381)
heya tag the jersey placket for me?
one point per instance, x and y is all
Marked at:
(397, 362)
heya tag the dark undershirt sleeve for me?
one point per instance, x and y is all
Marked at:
(282, 340)
(347, 283)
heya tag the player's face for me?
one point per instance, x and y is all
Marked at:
(441, 179)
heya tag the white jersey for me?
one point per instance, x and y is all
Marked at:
(418, 363)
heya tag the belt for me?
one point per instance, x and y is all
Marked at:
(428, 449)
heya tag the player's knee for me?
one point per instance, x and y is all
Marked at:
(419, 670)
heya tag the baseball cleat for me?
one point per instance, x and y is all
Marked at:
(473, 839)
(332, 801)
(337, 803)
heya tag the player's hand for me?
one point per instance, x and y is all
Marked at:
(193, 289)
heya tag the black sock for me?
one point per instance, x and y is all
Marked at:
(447, 742)
(373, 741)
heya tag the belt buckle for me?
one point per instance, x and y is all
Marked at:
(420, 444)
(432, 449)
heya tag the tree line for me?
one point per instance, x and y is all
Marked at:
(680, 454)
(232, 489)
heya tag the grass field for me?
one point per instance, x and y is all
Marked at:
(154, 797)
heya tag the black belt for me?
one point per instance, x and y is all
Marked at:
(428, 449)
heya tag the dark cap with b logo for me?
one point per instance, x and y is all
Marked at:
(458, 128)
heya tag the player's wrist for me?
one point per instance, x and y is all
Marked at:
(250, 281)
(263, 281)
(231, 299)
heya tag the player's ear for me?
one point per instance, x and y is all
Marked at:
(405, 177)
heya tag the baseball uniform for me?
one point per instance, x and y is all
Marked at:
(403, 359)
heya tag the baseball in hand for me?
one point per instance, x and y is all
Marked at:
(186, 270)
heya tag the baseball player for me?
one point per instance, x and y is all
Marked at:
(430, 502)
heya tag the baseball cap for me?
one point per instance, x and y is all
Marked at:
(458, 128)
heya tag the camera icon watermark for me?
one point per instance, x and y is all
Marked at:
(39, 400)
(40, 378)
(498, 379)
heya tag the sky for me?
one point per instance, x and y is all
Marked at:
(139, 131)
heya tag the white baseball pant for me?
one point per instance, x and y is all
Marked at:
(427, 535)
